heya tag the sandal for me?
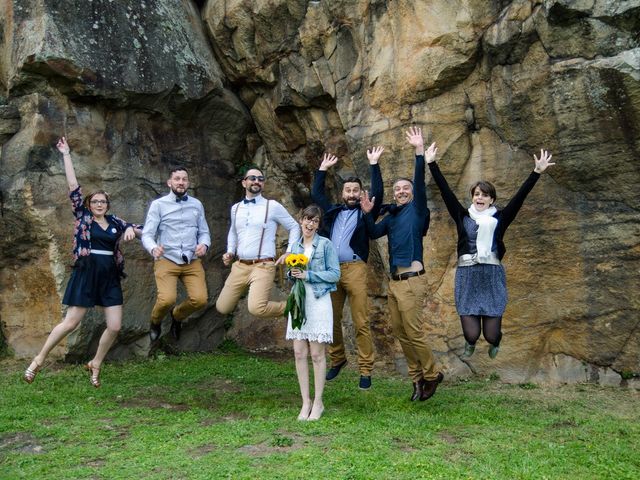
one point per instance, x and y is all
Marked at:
(94, 375)
(30, 373)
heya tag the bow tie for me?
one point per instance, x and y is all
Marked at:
(253, 200)
(181, 199)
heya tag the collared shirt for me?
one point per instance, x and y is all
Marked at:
(178, 226)
(343, 228)
(247, 224)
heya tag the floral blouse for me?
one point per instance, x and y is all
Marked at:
(82, 230)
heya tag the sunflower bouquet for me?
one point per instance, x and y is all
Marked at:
(295, 301)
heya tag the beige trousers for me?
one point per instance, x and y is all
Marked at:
(353, 283)
(406, 298)
(167, 274)
(259, 279)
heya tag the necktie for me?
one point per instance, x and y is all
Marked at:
(253, 200)
(181, 199)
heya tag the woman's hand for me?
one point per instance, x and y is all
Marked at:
(129, 234)
(430, 154)
(63, 146)
(299, 274)
(543, 162)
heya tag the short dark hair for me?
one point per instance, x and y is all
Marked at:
(485, 187)
(87, 199)
(352, 180)
(179, 168)
(312, 211)
(246, 168)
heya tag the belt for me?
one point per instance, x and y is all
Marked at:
(101, 252)
(256, 260)
(468, 260)
(405, 275)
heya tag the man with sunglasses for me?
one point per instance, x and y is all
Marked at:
(177, 235)
(251, 249)
(344, 225)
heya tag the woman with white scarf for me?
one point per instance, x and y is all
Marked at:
(481, 284)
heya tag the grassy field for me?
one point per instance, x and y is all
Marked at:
(233, 415)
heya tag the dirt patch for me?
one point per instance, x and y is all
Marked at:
(218, 385)
(202, 450)
(280, 442)
(21, 442)
(153, 403)
(231, 417)
(404, 445)
(448, 437)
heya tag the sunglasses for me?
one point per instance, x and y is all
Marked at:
(253, 178)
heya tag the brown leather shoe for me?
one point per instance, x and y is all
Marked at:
(429, 387)
(417, 391)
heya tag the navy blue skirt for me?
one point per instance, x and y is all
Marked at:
(481, 290)
(95, 281)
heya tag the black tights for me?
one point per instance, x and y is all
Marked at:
(490, 328)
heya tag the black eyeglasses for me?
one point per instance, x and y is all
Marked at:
(253, 178)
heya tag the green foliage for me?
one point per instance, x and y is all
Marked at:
(232, 415)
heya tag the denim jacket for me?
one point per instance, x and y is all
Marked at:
(323, 271)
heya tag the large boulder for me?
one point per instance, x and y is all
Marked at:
(492, 83)
(136, 89)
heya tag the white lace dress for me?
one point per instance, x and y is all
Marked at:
(319, 314)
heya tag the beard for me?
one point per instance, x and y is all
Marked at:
(178, 193)
(351, 201)
(255, 189)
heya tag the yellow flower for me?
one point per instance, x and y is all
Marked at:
(296, 260)
(303, 260)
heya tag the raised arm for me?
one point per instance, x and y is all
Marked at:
(63, 148)
(513, 207)
(455, 208)
(377, 188)
(414, 137)
(317, 191)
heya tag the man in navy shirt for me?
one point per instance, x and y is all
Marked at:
(343, 223)
(405, 225)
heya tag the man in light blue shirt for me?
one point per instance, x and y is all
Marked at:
(251, 249)
(176, 234)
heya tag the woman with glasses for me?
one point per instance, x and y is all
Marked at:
(97, 270)
(320, 278)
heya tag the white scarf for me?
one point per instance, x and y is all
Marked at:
(486, 227)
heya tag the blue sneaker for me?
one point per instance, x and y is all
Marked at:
(365, 382)
(335, 370)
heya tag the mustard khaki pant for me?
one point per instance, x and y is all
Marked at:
(406, 298)
(258, 278)
(352, 284)
(167, 274)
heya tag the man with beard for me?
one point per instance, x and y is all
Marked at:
(176, 234)
(251, 242)
(405, 225)
(343, 223)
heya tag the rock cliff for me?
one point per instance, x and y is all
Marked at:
(138, 88)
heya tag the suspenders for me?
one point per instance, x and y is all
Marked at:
(264, 227)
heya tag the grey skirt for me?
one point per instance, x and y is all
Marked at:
(481, 290)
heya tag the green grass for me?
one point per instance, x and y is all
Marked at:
(233, 415)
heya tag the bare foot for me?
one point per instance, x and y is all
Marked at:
(305, 411)
(316, 411)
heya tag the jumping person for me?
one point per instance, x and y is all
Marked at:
(344, 224)
(405, 225)
(97, 270)
(481, 284)
(251, 249)
(177, 235)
